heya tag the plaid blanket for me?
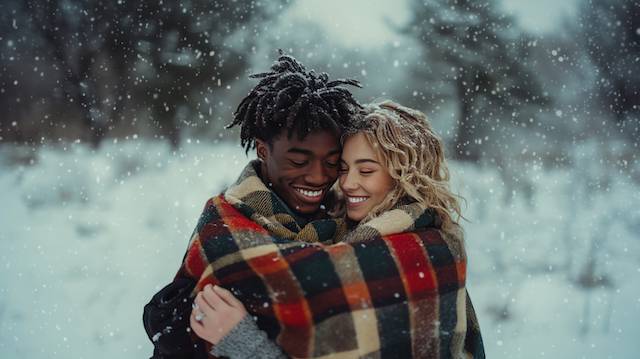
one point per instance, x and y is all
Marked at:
(393, 288)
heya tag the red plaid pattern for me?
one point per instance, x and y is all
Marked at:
(400, 295)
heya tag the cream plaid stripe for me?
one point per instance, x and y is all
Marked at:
(362, 298)
(268, 210)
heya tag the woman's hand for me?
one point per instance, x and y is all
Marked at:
(215, 313)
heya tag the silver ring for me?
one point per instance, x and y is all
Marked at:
(199, 316)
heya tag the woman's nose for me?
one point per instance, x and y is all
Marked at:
(348, 182)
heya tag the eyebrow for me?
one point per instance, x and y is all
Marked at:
(366, 160)
(309, 153)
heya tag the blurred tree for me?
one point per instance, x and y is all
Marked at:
(483, 58)
(610, 31)
(157, 58)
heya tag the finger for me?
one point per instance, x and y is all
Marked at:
(196, 326)
(213, 298)
(203, 306)
(228, 297)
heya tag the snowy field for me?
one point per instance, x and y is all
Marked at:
(87, 238)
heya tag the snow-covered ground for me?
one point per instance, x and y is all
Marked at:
(86, 238)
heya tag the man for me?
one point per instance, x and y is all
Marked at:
(293, 118)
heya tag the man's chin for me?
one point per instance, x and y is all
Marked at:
(298, 204)
(304, 209)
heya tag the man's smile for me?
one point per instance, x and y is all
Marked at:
(309, 195)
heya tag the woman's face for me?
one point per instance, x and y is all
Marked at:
(362, 177)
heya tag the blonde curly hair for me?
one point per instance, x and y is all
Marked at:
(414, 157)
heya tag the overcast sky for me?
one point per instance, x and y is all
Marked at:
(362, 22)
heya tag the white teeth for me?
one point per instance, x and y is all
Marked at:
(357, 199)
(309, 193)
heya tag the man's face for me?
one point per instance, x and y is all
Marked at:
(301, 171)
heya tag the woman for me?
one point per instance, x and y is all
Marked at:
(394, 179)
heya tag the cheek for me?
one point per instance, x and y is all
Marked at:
(332, 174)
(282, 173)
(272, 167)
(382, 185)
(389, 181)
(341, 180)
(390, 184)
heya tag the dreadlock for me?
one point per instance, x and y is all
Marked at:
(290, 97)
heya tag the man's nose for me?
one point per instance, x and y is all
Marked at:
(317, 175)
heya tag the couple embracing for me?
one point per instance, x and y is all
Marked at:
(284, 263)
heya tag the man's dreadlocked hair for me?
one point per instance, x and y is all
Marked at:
(290, 97)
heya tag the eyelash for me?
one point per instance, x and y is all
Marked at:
(304, 163)
(364, 173)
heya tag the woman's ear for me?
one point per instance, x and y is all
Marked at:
(262, 150)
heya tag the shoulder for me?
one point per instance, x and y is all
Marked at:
(219, 207)
(451, 239)
(222, 216)
(441, 246)
(210, 211)
(219, 212)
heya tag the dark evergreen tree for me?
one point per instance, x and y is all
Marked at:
(611, 34)
(153, 57)
(481, 56)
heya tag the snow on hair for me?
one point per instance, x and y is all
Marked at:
(414, 157)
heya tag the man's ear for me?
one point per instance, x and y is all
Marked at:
(262, 150)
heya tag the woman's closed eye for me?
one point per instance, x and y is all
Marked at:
(366, 170)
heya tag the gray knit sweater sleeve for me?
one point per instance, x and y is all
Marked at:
(245, 341)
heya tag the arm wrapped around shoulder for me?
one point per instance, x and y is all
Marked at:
(401, 295)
